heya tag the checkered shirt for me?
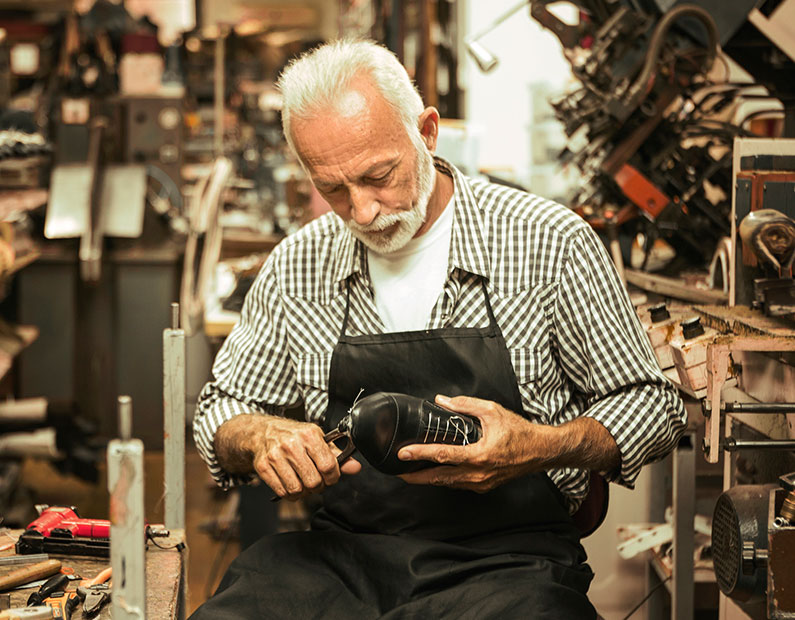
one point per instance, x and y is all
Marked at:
(574, 340)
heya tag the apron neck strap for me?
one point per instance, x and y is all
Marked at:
(347, 307)
(492, 320)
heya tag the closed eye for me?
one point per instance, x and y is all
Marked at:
(380, 179)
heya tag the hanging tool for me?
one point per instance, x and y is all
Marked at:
(29, 573)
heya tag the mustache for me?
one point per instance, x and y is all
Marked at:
(379, 224)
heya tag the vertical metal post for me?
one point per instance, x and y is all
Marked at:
(684, 509)
(127, 533)
(219, 92)
(174, 389)
(729, 475)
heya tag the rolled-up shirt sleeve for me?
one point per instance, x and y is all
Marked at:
(608, 358)
(252, 373)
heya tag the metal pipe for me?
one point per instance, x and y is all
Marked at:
(758, 408)
(125, 417)
(90, 251)
(174, 398)
(730, 444)
(684, 507)
(219, 92)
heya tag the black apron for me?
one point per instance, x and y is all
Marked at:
(381, 548)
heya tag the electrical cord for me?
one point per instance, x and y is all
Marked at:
(178, 546)
(640, 87)
(646, 598)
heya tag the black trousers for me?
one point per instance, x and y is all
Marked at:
(337, 574)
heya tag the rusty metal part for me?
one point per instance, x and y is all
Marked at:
(788, 507)
(641, 191)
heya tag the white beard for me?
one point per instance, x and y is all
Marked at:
(406, 223)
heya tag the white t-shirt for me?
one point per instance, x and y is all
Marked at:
(407, 283)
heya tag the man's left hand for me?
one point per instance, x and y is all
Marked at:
(510, 446)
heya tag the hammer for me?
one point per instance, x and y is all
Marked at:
(29, 573)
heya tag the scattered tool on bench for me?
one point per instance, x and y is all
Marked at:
(11, 560)
(29, 573)
(57, 583)
(92, 599)
(42, 612)
(59, 529)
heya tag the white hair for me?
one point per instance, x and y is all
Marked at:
(318, 79)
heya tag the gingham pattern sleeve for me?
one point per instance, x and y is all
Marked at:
(253, 372)
(605, 353)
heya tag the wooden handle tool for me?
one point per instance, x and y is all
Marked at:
(29, 573)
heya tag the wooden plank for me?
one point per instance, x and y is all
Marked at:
(672, 287)
(745, 321)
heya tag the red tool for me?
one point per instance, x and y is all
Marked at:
(60, 520)
(59, 529)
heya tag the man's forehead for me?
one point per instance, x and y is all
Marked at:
(352, 103)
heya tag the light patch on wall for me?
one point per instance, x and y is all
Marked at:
(24, 59)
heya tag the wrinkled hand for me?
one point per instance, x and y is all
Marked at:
(293, 459)
(510, 446)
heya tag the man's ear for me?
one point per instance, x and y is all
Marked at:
(429, 127)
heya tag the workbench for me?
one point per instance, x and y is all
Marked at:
(165, 578)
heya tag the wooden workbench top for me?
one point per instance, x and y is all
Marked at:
(744, 321)
(165, 580)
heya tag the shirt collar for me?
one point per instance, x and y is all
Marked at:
(466, 247)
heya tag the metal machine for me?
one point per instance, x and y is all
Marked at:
(753, 533)
(646, 124)
(652, 125)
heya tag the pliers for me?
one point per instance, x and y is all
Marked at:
(93, 593)
(93, 597)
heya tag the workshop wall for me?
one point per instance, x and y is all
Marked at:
(501, 101)
(319, 16)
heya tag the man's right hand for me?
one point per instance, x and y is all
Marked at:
(291, 457)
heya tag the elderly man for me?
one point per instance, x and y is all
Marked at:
(496, 303)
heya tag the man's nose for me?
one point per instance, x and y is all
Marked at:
(364, 206)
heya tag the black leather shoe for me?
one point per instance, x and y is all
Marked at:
(383, 423)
